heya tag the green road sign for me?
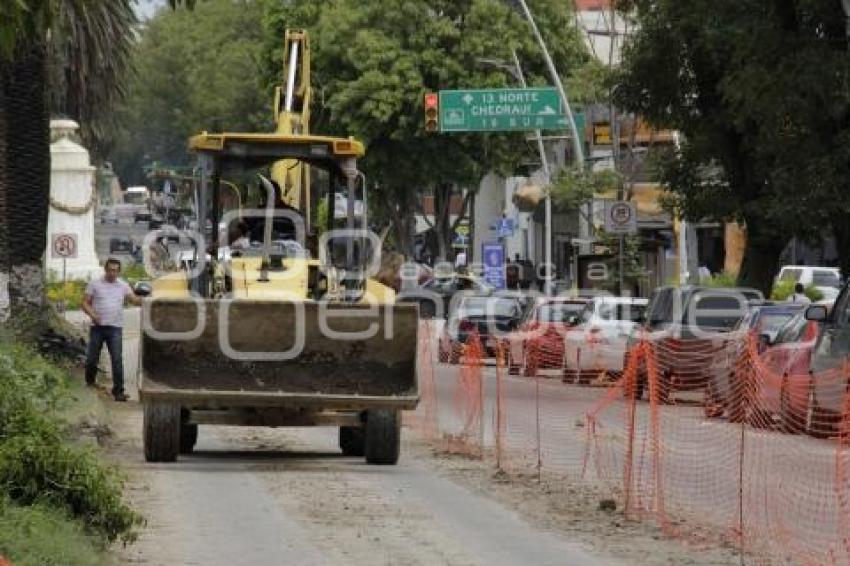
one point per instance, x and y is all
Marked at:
(501, 109)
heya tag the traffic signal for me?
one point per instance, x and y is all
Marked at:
(432, 112)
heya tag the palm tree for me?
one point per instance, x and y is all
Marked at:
(63, 55)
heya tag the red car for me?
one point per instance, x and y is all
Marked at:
(782, 381)
(539, 343)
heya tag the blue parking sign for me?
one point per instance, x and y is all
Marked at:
(505, 228)
(493, 254)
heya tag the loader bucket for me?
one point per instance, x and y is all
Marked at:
(231, 352)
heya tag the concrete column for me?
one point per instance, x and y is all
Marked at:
(72, 202)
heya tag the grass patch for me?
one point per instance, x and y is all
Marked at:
(38, 535)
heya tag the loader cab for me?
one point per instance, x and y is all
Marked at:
(228, 159)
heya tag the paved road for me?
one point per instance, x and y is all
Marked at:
(274, 497)
(269, 497)
(104, 232)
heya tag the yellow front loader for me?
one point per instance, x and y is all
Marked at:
(291, 330)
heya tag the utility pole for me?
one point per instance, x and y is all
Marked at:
(547, 175)
(615, 147)
(578, 150)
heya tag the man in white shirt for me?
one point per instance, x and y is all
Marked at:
(799, 295)
(104, 303)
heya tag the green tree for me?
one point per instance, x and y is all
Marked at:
(759, 91)
(194, 71)
(34, 33)
(374, 60)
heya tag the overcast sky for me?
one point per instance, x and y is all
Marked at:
(146, 8)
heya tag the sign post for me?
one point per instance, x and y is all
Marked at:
(621, 219)
(64, 246)
(494, 264)
(506, 109)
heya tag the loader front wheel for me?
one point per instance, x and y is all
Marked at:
(352, 441)
(383, 436)
(161, 432)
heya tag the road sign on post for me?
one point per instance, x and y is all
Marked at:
(494, 264)
(620, 217)
(64, 245)
(501, 110)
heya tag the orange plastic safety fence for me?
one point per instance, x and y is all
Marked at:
(709, 437)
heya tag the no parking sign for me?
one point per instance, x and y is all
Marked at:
(620, 217)
(63, 245)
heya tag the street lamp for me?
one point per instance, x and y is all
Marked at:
(515, 70)
(578, 150)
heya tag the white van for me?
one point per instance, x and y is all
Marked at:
(827, 280)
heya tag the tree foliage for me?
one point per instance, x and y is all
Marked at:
(374, 60)
(759, 90)
(198, 70)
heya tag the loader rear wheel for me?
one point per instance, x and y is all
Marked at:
(383, 436)
(188, 437)
(352, 441)
(161, 432)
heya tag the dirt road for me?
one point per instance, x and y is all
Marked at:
(256, 496)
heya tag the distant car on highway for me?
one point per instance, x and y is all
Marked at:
(485, 318)
(108, 216)
(120, 245)
(143, 215)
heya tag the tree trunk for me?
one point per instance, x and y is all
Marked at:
(761, 255)
(4, 228)
(442, 215)
(25, 181)
(401, 227)
(841, 233)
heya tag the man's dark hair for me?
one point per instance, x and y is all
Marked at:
(798, 288)
(112, 261)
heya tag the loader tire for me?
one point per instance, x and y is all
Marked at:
(352, 441)
(188, 437)
(383, 436)
(161, 432)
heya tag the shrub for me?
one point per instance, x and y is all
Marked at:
(68, 293)
(37, 463)
(723, 279)
(784, 289)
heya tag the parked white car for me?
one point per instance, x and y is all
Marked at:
(827, 280)
(598, 344)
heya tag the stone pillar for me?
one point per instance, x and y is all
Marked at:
(72, 202)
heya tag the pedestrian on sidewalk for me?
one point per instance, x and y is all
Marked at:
(799, 295)
(104, 304)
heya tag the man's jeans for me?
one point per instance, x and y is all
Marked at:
(112, 336)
